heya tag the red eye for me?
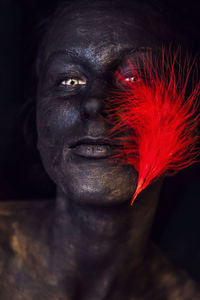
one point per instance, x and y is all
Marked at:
(122, 80)
(132, 79)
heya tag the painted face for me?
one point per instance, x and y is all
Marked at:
(84, 48)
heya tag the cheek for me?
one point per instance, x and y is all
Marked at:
(56, 123)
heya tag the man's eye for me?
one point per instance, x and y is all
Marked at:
(73, 82)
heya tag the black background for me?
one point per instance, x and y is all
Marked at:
(177, 222)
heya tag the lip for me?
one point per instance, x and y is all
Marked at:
(93, 147)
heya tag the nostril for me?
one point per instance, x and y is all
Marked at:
(85, 115)
(104, 114)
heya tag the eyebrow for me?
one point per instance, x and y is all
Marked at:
(73, 54)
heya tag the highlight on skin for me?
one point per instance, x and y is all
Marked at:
(159, 113)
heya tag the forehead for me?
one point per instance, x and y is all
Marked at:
(102, 32)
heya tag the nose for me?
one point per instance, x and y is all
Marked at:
(92, 107)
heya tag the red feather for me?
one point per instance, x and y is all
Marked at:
(160, 115)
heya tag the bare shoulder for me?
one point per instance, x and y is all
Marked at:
(23, 251)
(20, 219)
(14, 208)
(171, 282)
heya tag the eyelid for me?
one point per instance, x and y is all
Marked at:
(70, 75)
(79, 81)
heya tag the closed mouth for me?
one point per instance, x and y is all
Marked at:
(93, 148)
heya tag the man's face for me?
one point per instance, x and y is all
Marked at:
(84, 48)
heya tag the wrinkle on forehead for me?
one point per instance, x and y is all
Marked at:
(105, 27)
(118, 11)
(102, 34)
(103, 55)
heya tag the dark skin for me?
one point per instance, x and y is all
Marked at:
(89, 243)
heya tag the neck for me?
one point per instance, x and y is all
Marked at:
(104, 240)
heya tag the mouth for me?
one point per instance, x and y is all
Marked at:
(93, 148)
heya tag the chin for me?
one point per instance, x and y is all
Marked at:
(99, 184)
